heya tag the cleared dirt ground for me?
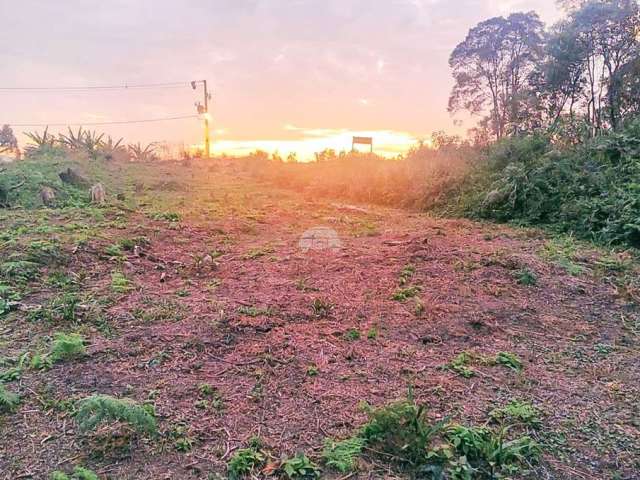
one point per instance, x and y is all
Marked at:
(224, 295)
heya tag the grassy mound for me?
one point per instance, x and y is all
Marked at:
(22, 180)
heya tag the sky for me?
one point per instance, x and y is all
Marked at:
(285, 75)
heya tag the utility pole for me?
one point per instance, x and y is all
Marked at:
(204, 110)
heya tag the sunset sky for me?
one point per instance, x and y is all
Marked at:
(285, 74)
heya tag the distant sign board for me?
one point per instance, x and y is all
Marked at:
(362, 141)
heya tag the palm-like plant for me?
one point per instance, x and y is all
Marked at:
(39, 141)
(73, 141)
(110, 148)
(142, 154)
(92, 142)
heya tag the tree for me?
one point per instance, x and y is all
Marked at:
(8, 140)
(492, 70)
(590, 62)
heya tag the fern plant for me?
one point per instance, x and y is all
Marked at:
(9, 401)
(342, 455)
(66, 346)
(79, 473)
(96, 409)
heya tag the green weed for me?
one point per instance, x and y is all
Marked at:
(526, 277)
(299, 466)
(255, 311)
(321, 308)
(19, 271)
(406, 274)
(400, 430)
(79, 473)
(460, 365)
(487, 454)
(245, 461)
(509, 360)
(403, 294)
(517, 412)
(563, 251)
(352, 335)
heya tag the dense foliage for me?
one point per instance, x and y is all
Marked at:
(591, 190)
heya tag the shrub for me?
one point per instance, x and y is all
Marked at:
(96, 409)
(590, 189)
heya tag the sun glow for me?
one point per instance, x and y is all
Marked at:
(388, 143)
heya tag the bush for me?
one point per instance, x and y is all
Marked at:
(591, 189)
(96, 409)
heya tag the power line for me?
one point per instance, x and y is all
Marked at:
(98, 87)
(96, 124)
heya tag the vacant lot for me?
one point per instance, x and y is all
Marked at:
(193, 298)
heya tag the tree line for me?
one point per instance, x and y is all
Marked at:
(577, 79)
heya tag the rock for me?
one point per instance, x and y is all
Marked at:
(48, 196)
(72, 177)
(97, 194)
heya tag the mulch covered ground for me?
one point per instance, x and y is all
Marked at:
(242, 321)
